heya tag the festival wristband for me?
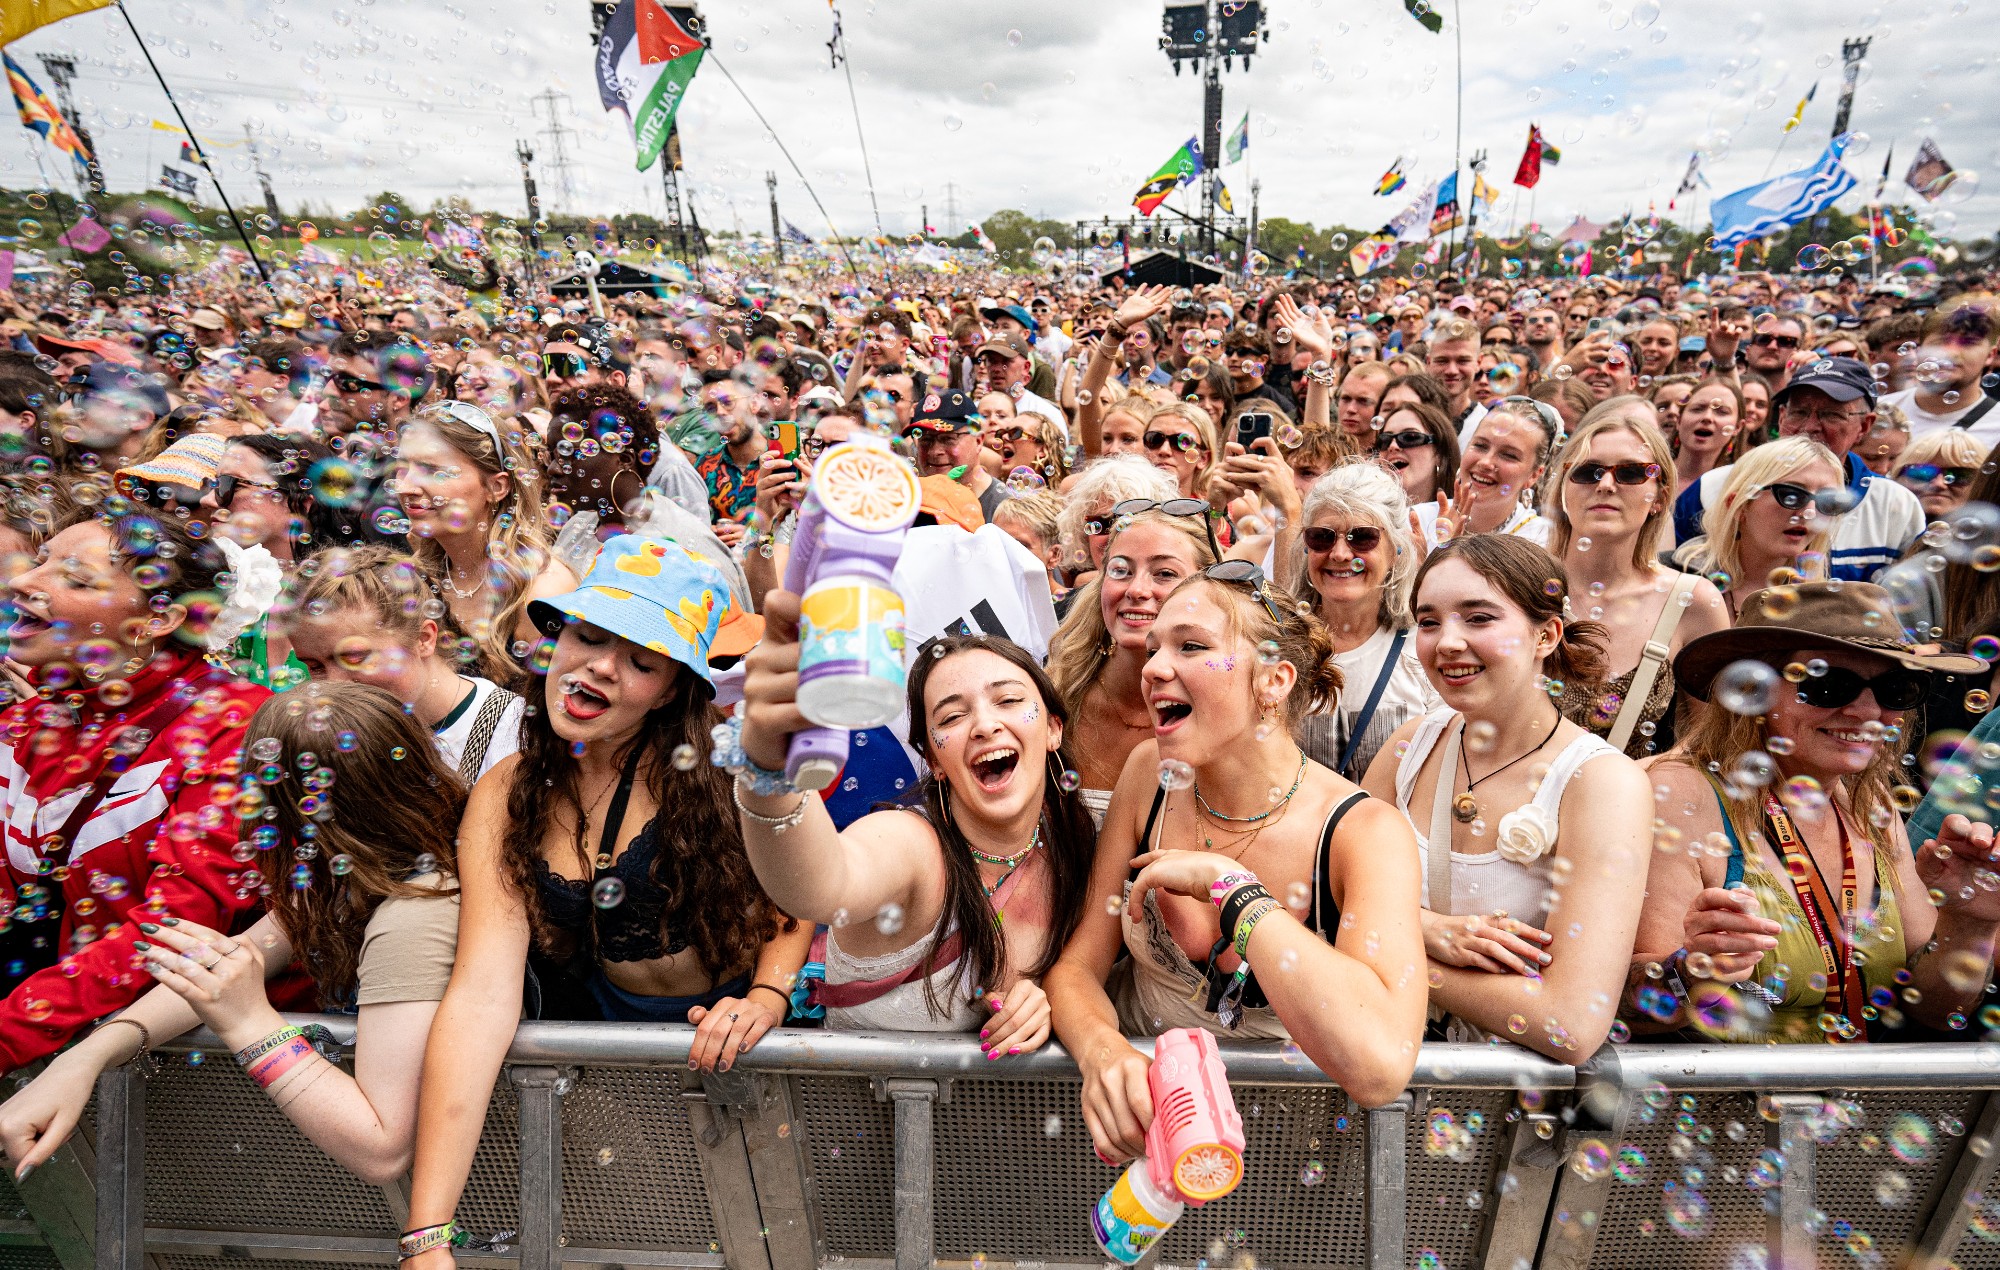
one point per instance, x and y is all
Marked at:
(415, 1243)
(1236, 901)
(251, 1053)
(270, 1069)
(1248, 922)
(1219, 889)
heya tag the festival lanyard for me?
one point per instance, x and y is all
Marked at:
(1844, 988)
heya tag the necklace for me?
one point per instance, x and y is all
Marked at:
(1297, 779)
(451, 583)
(1010, 862)
(1465, 808)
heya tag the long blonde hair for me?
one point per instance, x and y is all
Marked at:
(1082, 644)
(517, 537)
(1619, 414)
(1718, 550)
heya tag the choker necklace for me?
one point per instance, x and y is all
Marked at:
(1465, 808)
(1297, 780)
(1010, 862)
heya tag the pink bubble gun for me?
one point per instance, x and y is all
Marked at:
(850, 533)
(1195, 1144)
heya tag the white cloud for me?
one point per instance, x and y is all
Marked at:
(1063, 119)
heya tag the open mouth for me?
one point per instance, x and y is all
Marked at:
(1136, 619)
(995, 768)
(1459, 676)
(1396, 462)
(581, 703)
(1169, 713)
(26, 626)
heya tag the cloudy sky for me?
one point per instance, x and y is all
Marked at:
(1058, 107)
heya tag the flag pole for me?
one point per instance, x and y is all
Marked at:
(199, 152)
(1458, 127)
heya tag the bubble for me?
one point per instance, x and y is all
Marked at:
(889, 918)
(608, 893)
(342, 865)
(1631, 1166)
(1175, 774)
(1591, 1160)
(1910, 1138)
(1813, 256)
(1804, 796)
(1268, 652)
(1746, 687)
(1069, 781)
(605, 1156)
(1835, 500)
(684, 757)
(952, 123)
(1687, 1212)
(1014, 39)
(1288, 435)
(1978, 701)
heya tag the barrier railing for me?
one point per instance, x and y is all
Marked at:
(900, 1152)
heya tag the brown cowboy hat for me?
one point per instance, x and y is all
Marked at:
(1784, 619)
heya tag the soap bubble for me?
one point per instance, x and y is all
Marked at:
(889, 918)
(608, 893)
(1175, 774)
(1746, 688)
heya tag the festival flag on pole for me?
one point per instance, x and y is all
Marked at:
(40, 114)
(18, 17)
(1769, 206)
(1687, 180)
(644, 64)
(1483, 195)
(1422, 11)
(1222, 198)
(1530, 170)
(1370, 254)
(1800, 113)
(1238, 142)
(1929, 174)
(1882, 183)
(1392, 180)
(1412, 224)
(1444, 216)
(1184, 166)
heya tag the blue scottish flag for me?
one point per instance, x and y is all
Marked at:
(1785, 200)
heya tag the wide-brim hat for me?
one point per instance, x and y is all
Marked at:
(653, 592)
(1811, 615)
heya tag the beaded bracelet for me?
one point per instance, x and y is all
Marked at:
(251, 1053)
(1219, 889)
(728, 755)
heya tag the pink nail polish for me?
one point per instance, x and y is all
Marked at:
(982, 1034)
(1013, 1049)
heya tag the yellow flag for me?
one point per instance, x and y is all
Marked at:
(1800, 113)
(18, 17)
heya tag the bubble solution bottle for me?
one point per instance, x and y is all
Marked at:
(1134, 1214)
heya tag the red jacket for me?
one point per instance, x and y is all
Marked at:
(159, 843)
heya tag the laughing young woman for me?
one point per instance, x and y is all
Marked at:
(943, 916)
(1708, 433)
(1268, 896)
(605, 845)
(1529, 828)
(1498, 472)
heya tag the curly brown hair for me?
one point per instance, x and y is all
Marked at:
(713, 898)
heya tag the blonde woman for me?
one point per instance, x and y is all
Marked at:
(470, 492)
(1939, 468)
(1180, 441)
(1099, 654)
(1611, 501)
(1085, 523)
(1765, 518)
(1034, 520)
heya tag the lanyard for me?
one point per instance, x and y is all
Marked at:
(1844, 990)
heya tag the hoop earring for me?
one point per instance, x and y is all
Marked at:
(613, 492)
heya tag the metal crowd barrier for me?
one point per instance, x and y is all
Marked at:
(900, 1152)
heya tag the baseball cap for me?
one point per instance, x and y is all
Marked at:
(132, 387)
(654, 592)
(945, 411)
(208, 319)
(1841, 378)
(950, 503)
(1013, 344)
(1463, 304)
(1014, 311)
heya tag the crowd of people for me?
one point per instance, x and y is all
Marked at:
(1624, 646)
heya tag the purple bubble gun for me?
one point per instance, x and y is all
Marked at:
(850, 532)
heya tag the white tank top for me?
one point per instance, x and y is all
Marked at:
(1488, 882)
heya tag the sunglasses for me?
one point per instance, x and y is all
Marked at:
(226, 488)
(564, 365)
(355, 383)
(1012, 433)
(1766, 339)
(1899, 689)
(1242, 572)
(1788, 496)
(1171, 507)
(1411, 440)
(1623, 473)
(1918, 475)
(1182, 442)
(1362, 540)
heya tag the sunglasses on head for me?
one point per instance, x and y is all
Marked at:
(1182, 442)
(1362, 539)
(1242, 572)
(1171, 507)
(1788, 496)
(1768, 339)
(1921, 474)
(1899, 689)
(1411, 440)
(1623, 473)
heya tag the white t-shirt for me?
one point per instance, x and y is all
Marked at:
(1407, 695)
(1029, 403)
(1922, 422)
(452, 738)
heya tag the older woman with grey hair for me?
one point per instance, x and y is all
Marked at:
(1356, 555)
(1100, 486)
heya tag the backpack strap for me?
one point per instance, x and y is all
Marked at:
(1651, 660)
(1977, 413)
(484, 725)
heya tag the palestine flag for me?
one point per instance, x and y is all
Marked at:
(644, 64)
(1184, 166)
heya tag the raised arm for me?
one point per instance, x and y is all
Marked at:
(1314, 337)
(1143, 303)
(475, 1022)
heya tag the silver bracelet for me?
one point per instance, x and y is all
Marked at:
(776, 824)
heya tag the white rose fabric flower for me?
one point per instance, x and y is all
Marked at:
(1526, 834)
(258, 581)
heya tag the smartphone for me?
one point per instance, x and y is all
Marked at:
(1251, 425)
(1595, 325)
(784, 436)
